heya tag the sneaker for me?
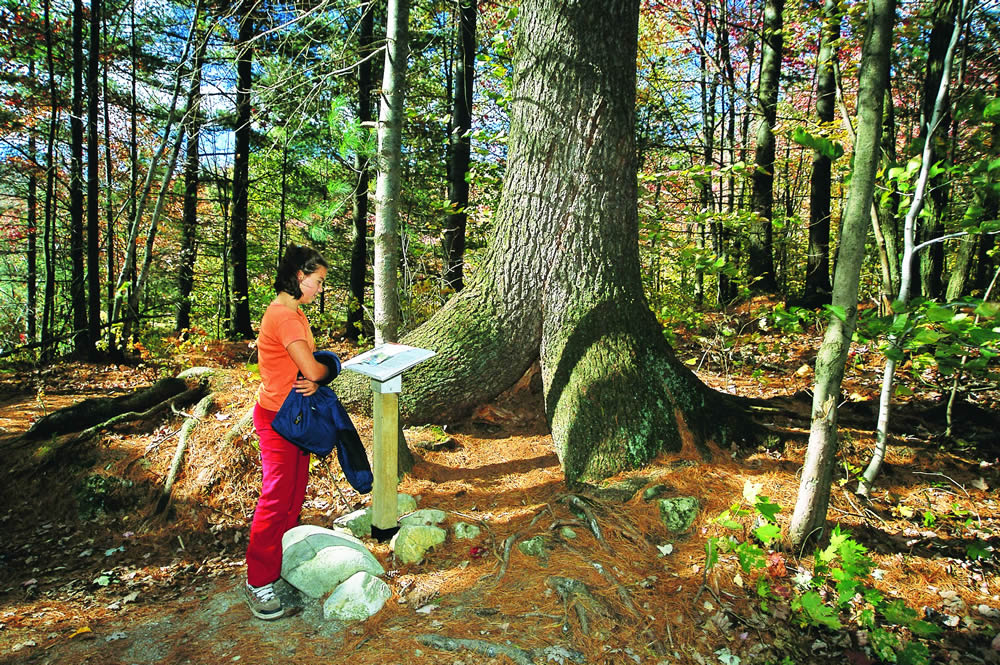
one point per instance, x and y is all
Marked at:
(262, 601)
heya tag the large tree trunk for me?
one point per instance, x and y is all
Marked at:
(459, 147)
(817, 470)
(761, 254)
(817, 287)
(239, 325)
(560, 280)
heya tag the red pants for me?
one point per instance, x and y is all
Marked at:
(286, 472)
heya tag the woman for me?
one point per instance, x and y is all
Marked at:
(285, 355)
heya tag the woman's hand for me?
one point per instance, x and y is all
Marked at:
(305, 387)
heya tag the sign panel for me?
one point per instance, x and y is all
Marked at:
(387, 361)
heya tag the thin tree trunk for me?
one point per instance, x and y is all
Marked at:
(388, 185)
(109, 205)
(239, 326)
(817, 470)
(817, 286)
(359, 238)
(189, 222)
(48, 241)
(761, 254)
(77, 290)
(906, 273)
(931, 223)
(93, 185)
(459, 147)
(32, 231)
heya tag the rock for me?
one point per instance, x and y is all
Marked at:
(315, 560)
(465, 531)
(995, 644)
(679, 513)
(952, 601)
(426, 517)
(654, 492)
(360, 521)
(534, 547)
(360, 597)
(567, 533)
(988, 612)
(413, 541)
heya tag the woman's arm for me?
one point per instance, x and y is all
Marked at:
(312, 370)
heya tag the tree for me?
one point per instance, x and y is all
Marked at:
(459, 146)
(79, 299)
(817, 470)
(817, 287)
(239, 324)
(189, 223)
(389, 182)
(359, 216)
(560, 283)
(761, 255)
(93, 184)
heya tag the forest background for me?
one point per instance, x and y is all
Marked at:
(159, 156)
(132, 214)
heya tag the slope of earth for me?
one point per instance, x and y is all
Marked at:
(89, 573)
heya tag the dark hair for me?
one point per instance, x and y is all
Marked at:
(296, 258)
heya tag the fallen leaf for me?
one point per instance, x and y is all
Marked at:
(980, 484)
(80, 631)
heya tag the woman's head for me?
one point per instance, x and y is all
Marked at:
(299, 264)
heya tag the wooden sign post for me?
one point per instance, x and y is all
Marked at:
(385, 366)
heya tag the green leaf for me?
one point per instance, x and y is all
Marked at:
(884, 644)
(898, 613)
(837, 311)
(914, 653)
(816, 612)
(922, 628)
(767, 509)
(825, 147)
(992, 109)
(767, 533)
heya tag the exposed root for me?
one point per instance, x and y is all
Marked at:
(245, 420)
(492, 650)
(577, 596)
(509, 545)
(200, 411)
(579, 505)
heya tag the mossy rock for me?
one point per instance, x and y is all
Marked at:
(679, 513)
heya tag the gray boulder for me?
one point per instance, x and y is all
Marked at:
(466, 531)
(360, 597)
(360, 521)
(426, 516)
(315, 560)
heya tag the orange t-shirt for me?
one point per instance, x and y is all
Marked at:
(279, 327)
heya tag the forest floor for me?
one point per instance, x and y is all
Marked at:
(89, 574)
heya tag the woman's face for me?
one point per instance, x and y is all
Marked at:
(311, 284)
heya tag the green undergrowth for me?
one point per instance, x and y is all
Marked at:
(832, 592)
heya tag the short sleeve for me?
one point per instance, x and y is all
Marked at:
(290, 330)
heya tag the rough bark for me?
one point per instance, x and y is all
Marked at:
(817, 471)
(560, 280)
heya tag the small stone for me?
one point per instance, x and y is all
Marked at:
(679, 513)
(567, 533)
(654, 492)
(466, 531)
(533, 547)
(426, 517)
